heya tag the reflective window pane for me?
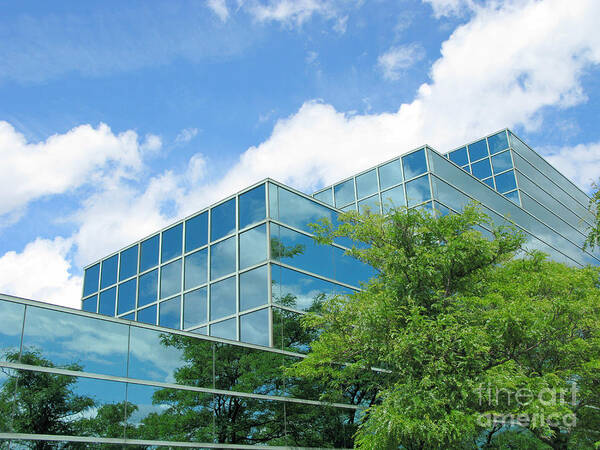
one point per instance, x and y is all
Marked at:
(171, 243)
(108, 275)
(222, 258)
(196, 268)
(147, 315)
(222, 298)
(288, 332)
(194, 308)
(498, 142)
(350, 207)
(200, 330)
(90, 280)
(344, 193)
(170, 279)
(222, 219)
(127, 292)
(196, 232)
(459, 157)
(478, 150)
(169, 313)
(252, 206)
(254, 328)
(301, 251)
(501, 162)
(366, 184)
(254, 288)
(128, 263)
(253, 246)
(90, 304)
(513, 196)
(148, 288)
(489, 182)
(76, 342)
(414, 164)
(506, 181)
(130, 316)
(325, 196)
(107, 302)
(418, 191)
(301, 291)
(10, 331)
(370, 204)
(226, 329)
(149, 253)
(350, 270)
(390, 174)
(482, 169)
(299, 211)
(393, 198)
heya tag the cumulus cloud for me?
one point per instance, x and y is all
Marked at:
(580, 163)
(399, 58)
(64, 161)
(443, 8)
(41, 271)
(186, 135)
(296, 11)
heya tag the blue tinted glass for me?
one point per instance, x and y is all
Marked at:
(441, 209)
(90, 280)
(350, 270)
(253, 246)
(482, 169)
(418, 191)
(109, 271)
(390, 174)
(414, 164)
(344, 193)
(89, 304)
(506, 181)
(325, 196)
(170, 279)
(169, 312)
(502, 162)
(128, 263)
(196, 232)
(301, 251)
(171, 243)
(196, 269)
(350, 207)
(498, 142)
(127, 293)
(478, 150)
(254, 288)
(300, 211)
(459, 157)
(12, 326)
(130, 316)
(201, 330)
(106, 305)
(366, 184)
(222, 258)
(252, 206)
(194, 308)
(222, 219)
(254, 328)
(489, 182)
(301, 291)
(149, 253)
(148, 288)
(222, 298)
(225, 329)
(370, 204)
(147, 315)
(513, 196)
(393, 198)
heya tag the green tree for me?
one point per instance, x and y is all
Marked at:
(451, 316)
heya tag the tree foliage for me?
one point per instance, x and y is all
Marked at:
(458, 327)
(593, 237)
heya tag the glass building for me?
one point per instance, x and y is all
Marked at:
(184, 335)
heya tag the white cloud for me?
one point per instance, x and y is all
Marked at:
(399, 58)
(450, 7)
(186, 135)
(581, 163)
(292, 11)
(219, 7)
(64, 161)
(311, 57)
(41, 272)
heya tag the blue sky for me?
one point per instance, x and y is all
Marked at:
(117, 118)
